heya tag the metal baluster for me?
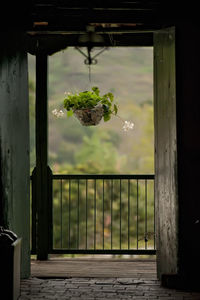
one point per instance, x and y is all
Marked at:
(78, 214)
(128, 213)
(86, 191)
(103, 214)
(95, 206)
(111, 211)
(154, 217)
(146, 237)
(61, 219)
(69, 215)
(120, 195)
(137, 215)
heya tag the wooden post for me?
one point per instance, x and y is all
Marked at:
(166, 188)
(42, 156)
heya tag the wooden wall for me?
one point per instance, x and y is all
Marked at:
(165, 151)
(188, 146)
(177, 154)
(14, 139)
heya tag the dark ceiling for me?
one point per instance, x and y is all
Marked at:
(74, 15)
(52, 25)
(64, 22)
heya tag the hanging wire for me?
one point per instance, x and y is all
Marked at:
(89, 60)
(93, 58)
(112, 41)
(89, 67)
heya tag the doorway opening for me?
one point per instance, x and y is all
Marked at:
(102, 177)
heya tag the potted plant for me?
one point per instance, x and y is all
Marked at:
(90, 107)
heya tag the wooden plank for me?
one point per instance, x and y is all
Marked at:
(99, 4)
(88, 267)
(94, 16)
(166, 201)
(52, 43)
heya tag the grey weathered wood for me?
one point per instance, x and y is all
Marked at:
(53, 42)
(90, 267)
(165, 151)
(14, 141)
(10, 261)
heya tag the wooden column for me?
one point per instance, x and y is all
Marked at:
(166, 189)
(42, 156)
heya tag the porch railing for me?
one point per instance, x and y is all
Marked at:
(101, 214)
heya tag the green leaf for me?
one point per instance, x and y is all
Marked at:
(70, 113)
(106, 108)
(110, 96)
(115, 109)
(89, 99)
(106, 117)
(95, 89)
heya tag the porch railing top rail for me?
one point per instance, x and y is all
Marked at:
(104, 176)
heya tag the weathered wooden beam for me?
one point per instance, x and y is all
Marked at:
(166, 189)
(80, 16)
(98, 4)
(43, 28)
(51, 43)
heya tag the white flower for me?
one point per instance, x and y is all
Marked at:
(58, 113)
(127, 125)
(67, 93)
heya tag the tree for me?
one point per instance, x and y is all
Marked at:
(98, 153)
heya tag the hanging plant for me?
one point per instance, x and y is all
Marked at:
(90, 107)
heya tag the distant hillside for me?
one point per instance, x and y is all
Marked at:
(128, 74)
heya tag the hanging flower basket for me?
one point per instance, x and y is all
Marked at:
(89, 116)
(90, 107)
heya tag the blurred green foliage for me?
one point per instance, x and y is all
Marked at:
(103, 214)
(104, 149)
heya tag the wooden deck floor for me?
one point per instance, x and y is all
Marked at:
(64, 268)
